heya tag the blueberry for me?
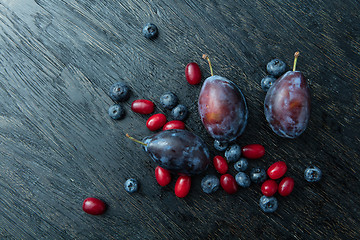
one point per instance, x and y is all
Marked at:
(131, 185)
(268, 204)
(312, 174)
(220, 146)
(169, 100)
(241, 165)
(276, 67)
(180, 112)
(233, 153)
(257, 175)
(116, 112)
(150, 31)
(242, 179)
(210, 183)
(267, 82)
(119, 92)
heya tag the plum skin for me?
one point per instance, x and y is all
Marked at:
(222, 108)
(178, 151)
(287, 105)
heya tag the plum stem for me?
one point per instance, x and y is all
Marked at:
(135, 140)
(296, 55)
(206, 57)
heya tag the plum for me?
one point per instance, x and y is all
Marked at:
(222, 108)
(287, 104)
(178, 151)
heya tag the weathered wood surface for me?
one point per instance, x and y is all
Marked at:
(58, 145)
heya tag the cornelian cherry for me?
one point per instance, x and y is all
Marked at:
(93, 206)
(269, 187)
(253, 151)
(228, 183)
(182, 186)
(174, 124)
(286, 186)
(193, 73)
(163, 176)
(220, 164)
(142, 106)
(156, 121)
(277, 170)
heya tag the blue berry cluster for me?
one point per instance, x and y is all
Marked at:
(118, 92)
(171, 102)
(275, 69)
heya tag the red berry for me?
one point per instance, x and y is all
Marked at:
(253, 151)
(228, 183)
(142, 106)
(277, 170)
(286, 186)
(220, 164)
(163, 176)
(182, 186)
(174, 124)
(193, 73)
(156, 121)
(94, 206)
(269, 187)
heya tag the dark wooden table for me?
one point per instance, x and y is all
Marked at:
(59, 146)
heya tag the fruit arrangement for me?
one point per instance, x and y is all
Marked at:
(223, 111)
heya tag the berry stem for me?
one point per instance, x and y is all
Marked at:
(206, 57)
(296, 55)
(135, 140)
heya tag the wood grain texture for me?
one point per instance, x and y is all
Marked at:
(58, 145)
